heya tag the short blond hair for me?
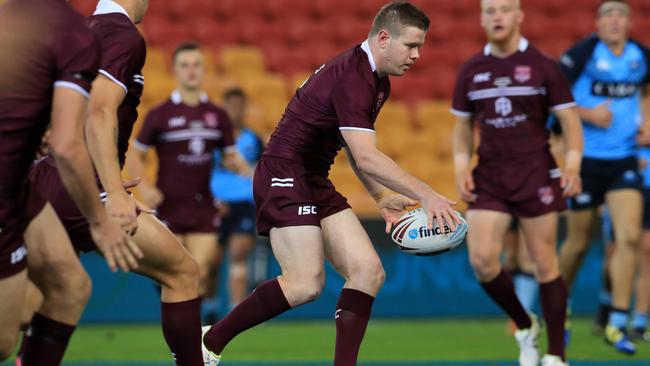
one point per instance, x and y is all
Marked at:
(517, 4)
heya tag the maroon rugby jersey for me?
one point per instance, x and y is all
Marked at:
(185, 138)
(43, 45)
(123, 55)
(344, 94)
(511, 99)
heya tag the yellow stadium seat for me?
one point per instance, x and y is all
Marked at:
(433, 114)
(242, 61)
(264, 86)
(158, 59)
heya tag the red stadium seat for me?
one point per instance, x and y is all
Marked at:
(254, 30)
(287, 10)
(304, 31)
(226, 9)
(214, 35)
(349, 30)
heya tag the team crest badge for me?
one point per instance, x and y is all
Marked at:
(522, 73)
(210, 119)
(546, 195)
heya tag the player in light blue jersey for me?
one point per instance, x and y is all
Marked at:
(235, 192)
(610, 74)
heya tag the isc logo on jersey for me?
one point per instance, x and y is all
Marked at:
(412, 235)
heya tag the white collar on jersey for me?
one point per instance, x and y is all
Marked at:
(177, 99)
(523, 45)
(366, 48)
(108, 6)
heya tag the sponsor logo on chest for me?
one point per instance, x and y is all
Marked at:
(211, 119)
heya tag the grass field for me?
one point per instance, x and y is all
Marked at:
(387, 342)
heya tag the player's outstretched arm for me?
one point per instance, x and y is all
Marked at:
(135, 164)
(391, 205)
(69, 150)
(102, 133)
(375, 164)
(463, 146)
(573, 144)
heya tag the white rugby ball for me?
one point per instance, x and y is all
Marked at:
(412, 235)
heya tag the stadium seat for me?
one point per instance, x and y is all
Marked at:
(285, 10)
(242, 61)
(303, 31)
(214, 35)
(264, 86)
(349, 30)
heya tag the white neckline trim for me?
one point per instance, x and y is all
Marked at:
(523, 46)
(177, 99)
(108, 6)
(366, 48)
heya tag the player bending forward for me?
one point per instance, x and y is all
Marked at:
(306, 218)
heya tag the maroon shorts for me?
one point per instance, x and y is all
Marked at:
(529, 188)
(45, 180)
(17, 209)
(190, 216)
(286, 194)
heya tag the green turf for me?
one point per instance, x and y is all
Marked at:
(385, 341)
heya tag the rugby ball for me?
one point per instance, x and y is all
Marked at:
(412, 235)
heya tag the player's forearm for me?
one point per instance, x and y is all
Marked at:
(101, 133)
(462, 145)
(588, 115)
(75, 169)
(380, 168)
(234, 162)
(573, 138)
(373, 187)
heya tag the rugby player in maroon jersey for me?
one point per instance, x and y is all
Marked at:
(508, 89)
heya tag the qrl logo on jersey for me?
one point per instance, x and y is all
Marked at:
(503, 106)
(546, 195)
(522, 73)
(306, 210)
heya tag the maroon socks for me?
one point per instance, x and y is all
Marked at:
(502, 291)
(553, 296)
(46, 341)
(352, 314)
(266, 302)
(181, 325)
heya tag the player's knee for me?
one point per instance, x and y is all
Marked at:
(308, 287)
(371, 274)
(67, 285)
(485, 266)
(631, 237)
(7, 344)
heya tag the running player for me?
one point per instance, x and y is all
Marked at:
(48, 61)
(642, 286)
(185, 130)
(112, 113)
(306, 218)
(609, 73)
(509, 89)
(235, 193)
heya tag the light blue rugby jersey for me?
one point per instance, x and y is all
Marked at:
(619, 78)
(228, 186)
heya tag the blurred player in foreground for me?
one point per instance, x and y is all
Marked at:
(111, 115)
(49, 59)
(307, 220)
(509, 89)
